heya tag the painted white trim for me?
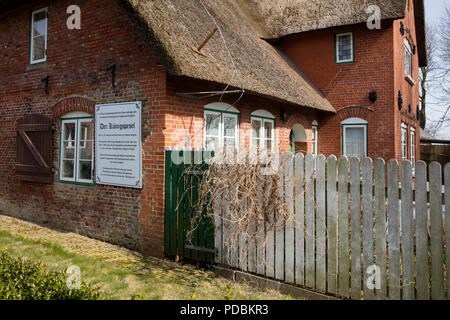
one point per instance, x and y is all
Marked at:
(32, 36)
(354, 121)
(262, 113)
(221, 106)
(262, 137)
(221, 133)
(337, 47)
(408, 48)
(76, 114)
(404, 141)
(78, 179)
(63, 131)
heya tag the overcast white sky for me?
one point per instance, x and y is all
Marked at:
(433, 12)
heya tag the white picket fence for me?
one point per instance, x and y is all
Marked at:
(355, 214)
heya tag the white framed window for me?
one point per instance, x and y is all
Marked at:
(354, 137)
(38, 48)
(408, 61)
(263, 130)
(314, 138)
(76, 157)
(404, 143)
(221, 126)
(344, 47)
(412, 143)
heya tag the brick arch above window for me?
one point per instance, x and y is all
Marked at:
(298, 118)
(73, 104)
(353, 112)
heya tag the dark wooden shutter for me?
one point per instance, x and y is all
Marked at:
(34, 149)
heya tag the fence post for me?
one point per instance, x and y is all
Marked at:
(289, 245)
(355, 226)
(393, 230)
(279, 232)
(309, 216)
(332, 252)
(300, 219)
(436, 230)
(320, 224)
(407, 233)
(380, 224)
(422, 275)
(367, 217)
(343, 227)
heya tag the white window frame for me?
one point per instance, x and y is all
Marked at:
(76, 174)
(352, 59)
(404, 141)
(262, 136)
(32, 61)
(315, 133)
(408, 53)
(354, 123)
(217, 109)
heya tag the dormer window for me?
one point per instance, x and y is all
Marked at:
(344, 48)
(38, 36)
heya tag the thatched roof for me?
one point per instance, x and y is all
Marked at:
(173, 26)
(283, 17)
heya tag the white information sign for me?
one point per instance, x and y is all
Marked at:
(118, 156)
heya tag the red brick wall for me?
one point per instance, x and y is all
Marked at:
(410, 93)
(378, 65)
(77, 64)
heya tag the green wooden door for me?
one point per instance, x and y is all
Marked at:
(181, 199)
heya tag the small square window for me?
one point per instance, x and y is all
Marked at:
(344, 47)
(38, 36)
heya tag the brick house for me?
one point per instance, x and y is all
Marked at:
(261, 78)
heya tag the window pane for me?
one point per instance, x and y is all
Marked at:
(39, 48)
(344, 47)
(268, 127)
(40, 25)
(229, 124)
(85, 170)
(407, 62)
(69, 131)
(86, 129)
(85, 151)
(67, 168)
(212, 143)
(269, 145)
(256, 127)
(230, 141)
(69, 150)
(354, 141)
(212, 124)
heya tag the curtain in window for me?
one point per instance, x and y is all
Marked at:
(354, 142)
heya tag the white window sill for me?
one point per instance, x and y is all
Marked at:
(410, 80)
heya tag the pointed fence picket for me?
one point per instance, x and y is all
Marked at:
(363, 229)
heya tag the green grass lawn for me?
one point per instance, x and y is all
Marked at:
(155, 281)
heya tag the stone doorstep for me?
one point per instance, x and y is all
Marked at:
(264, 283)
